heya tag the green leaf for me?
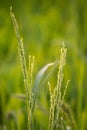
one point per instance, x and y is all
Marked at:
(39, 76)
(37, 86)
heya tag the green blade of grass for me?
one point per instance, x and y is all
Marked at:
(37, 87)
(39, 77)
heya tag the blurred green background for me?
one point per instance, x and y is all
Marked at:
(43, 24)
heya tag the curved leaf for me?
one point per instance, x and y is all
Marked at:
(37, 86)
(39, 76)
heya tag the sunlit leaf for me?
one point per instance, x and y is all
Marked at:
(37, 86)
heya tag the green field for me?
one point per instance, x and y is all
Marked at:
(44, 25)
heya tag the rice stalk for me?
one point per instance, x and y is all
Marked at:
(56, 97)
(27, 77)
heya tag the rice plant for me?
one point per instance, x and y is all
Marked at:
(56, 97)
(56, 121)
(26, 73)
